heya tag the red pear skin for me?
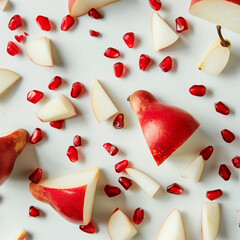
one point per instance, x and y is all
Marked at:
(165, 127)
(11, 146)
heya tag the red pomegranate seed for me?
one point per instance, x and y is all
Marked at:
(77, 89)
(43, 23)
(26, 34)
(77, 141)
(15, 22)
(90, 228)
(67, 23)
(166, 64)
(214, 194)
(118, 122)
(94, 13)
(118, 69)
(175, 189)
(72, 154)
(36, 176)
(222, 108)
(36, 136)
(206, 152)
(155, 4)
(112, 191)
(224, 172)
(129, 39)
(227, 136)
(20, 38)
(138, 216)
(144, 61)
(181, 24)
(57, 124)
(34, 212)
(125, 182)
(55, 83)
(112, 53)
(12, 48)
(236, 161)
(198, 90)
(94, 33)
(121, 166)
(34, 96)
(111, 149)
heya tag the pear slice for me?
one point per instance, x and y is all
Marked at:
(3, 4)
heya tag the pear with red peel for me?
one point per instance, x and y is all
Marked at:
(20, 234)
(165, 127)
(11, 145)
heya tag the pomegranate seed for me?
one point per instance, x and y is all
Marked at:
(224, 172)
(214, 194)
(119, 167)
(26, 34)
(77, 141)
(236, 161)
(67, 23)
(12, 48)
(206, 152)
(118, 122)
(175, 189)
(36, 176)
(43, 23)
(155, 4)
(198, 90)
(118, 69)
(227, 136)
(166, 64)
(112, 191)
(15, 22)
(94, 33)
(222, 108)
(20, 38)
(55, 83)
(112, 53)
(57, 124)
(129, 39)
(36, 136)
(138, 216)
(111, 149)
(94, 13)
(181, 24)
(144, 61)
(90, 228)
(72, 154)
(34, 96)
(77, 89)
(125, 182)
(34, 212)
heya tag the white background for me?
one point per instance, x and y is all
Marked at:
(79, 57)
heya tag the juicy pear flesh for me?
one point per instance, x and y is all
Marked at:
(3, 4)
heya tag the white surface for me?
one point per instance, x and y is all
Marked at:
(81, 59)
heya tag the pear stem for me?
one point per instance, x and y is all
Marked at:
(224, 43)
(128, 99)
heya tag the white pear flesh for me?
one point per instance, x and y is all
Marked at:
(20, 234)
(173, 227)
(7, 79)
(210, 221)
(102, 105)
(194, 170)
(162, 34)
(58, 108)
(120, 227)
(3, 4)
(40, 51)
(147, 183)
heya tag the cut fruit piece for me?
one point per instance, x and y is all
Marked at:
(173, 227)
(194, 171)
(20, 234)
(40, 51)
(7, 79)
(210, 221)
(120, 227)
(102, 105)
(72, 196)
(163, 35)
(80, 7)
(58, 108)
(148, 184)
(3, 4)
